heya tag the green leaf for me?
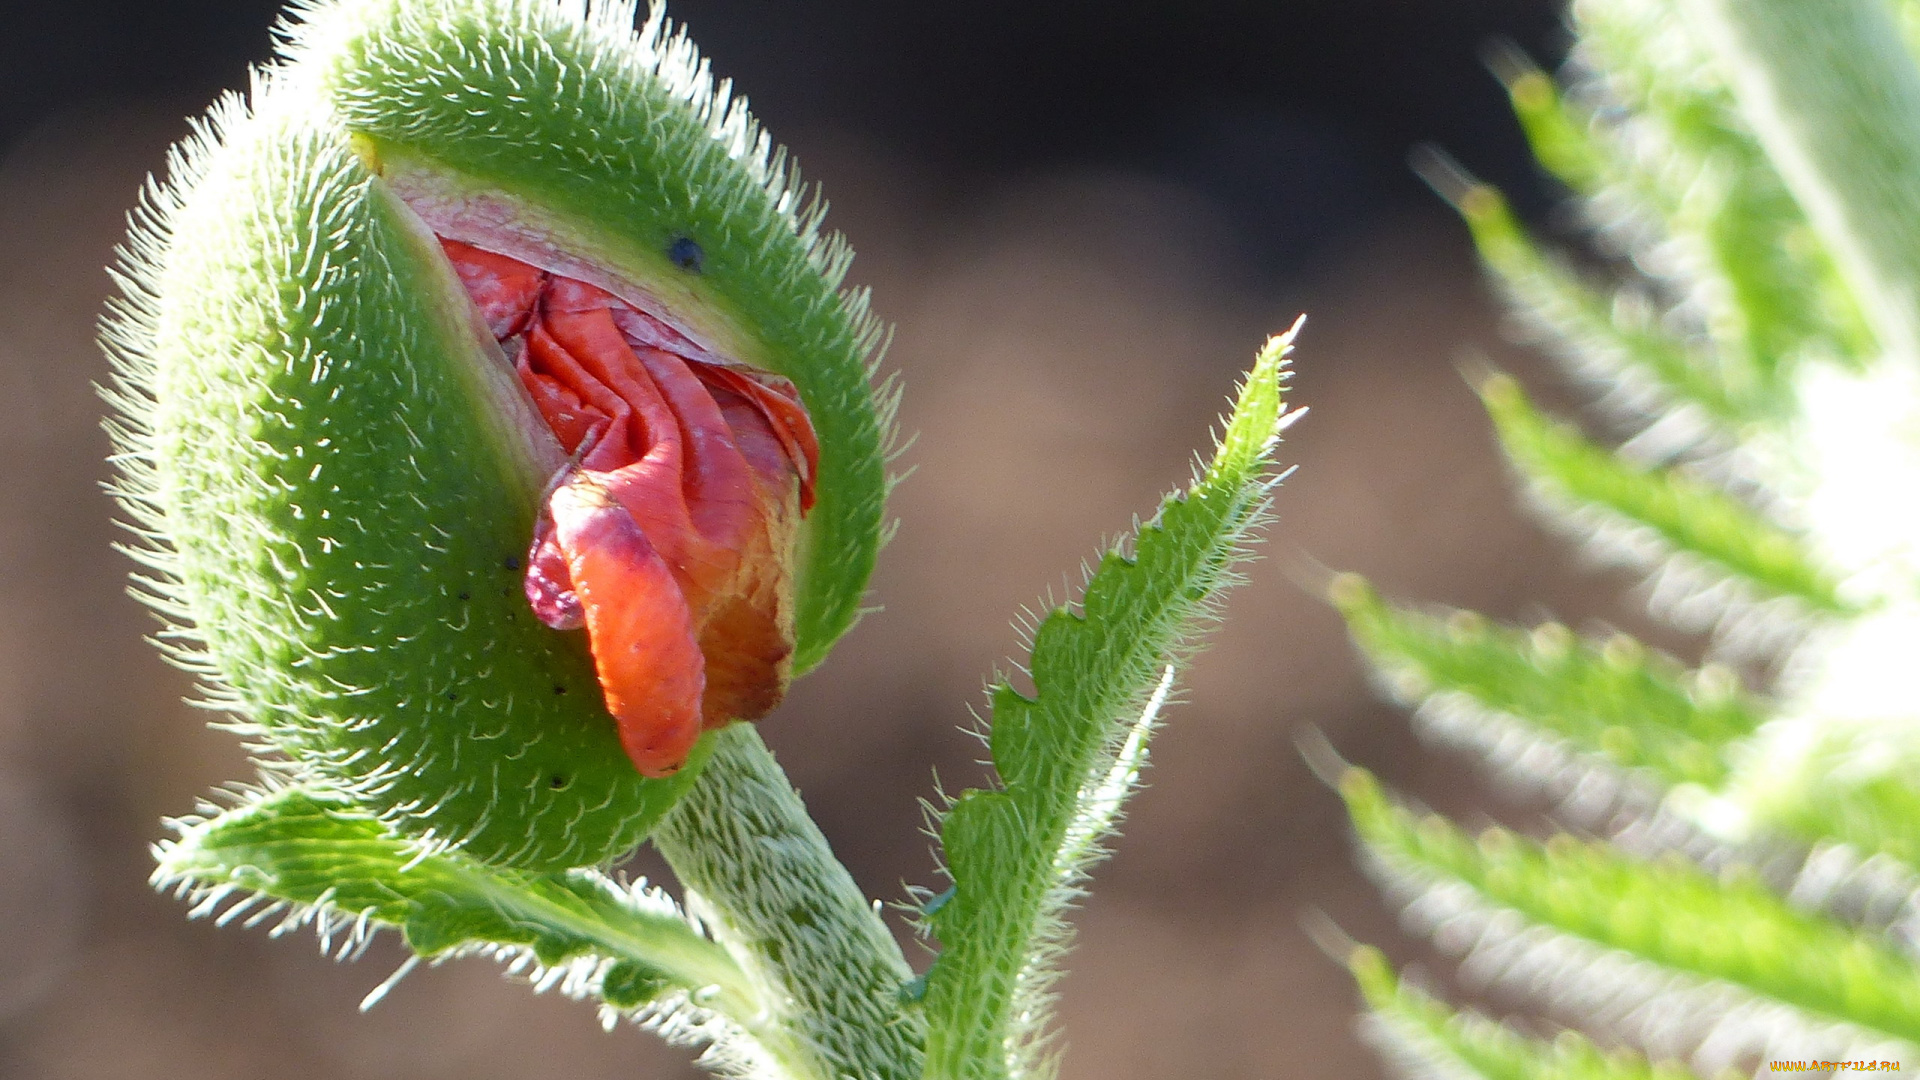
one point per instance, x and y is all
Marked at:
(1843, 765)
(342, 866)
(1684, 516)
(1432, 1039)
(1830, 92)
(1560, 134)
(1873, 809)
(1606, 336)
(1647, 61)
(1618, 700)
(1632, 183)
(1068, 755)
(316, 859)
(1715, 220)
(1750, 169)
(1667, 912)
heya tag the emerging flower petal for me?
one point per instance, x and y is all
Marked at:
(670, 535)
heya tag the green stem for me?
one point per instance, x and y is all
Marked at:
(758, 871)
(1834, 98)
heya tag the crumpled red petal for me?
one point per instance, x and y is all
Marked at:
(670, 535)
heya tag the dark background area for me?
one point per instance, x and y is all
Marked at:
(1295, 115)
(1082, 219)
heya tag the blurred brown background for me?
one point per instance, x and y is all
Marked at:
(1083, 219)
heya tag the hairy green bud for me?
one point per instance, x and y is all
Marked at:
(338, 473)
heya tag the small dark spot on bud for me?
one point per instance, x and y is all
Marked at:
(511, 562)
(453, 695)
(559, 783)
(464, 595)
(559, 690)
(686, 254)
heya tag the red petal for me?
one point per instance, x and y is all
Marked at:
(650, 670)
(504, 289)
(775, 409)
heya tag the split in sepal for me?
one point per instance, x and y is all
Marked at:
(669, 534)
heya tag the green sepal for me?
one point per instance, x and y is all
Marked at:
(615, 147)
(341, 476)
(1069, 755)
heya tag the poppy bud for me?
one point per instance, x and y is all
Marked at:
(379, 494)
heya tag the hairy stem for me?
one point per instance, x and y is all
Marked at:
(1834, 98)
(758, 871)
